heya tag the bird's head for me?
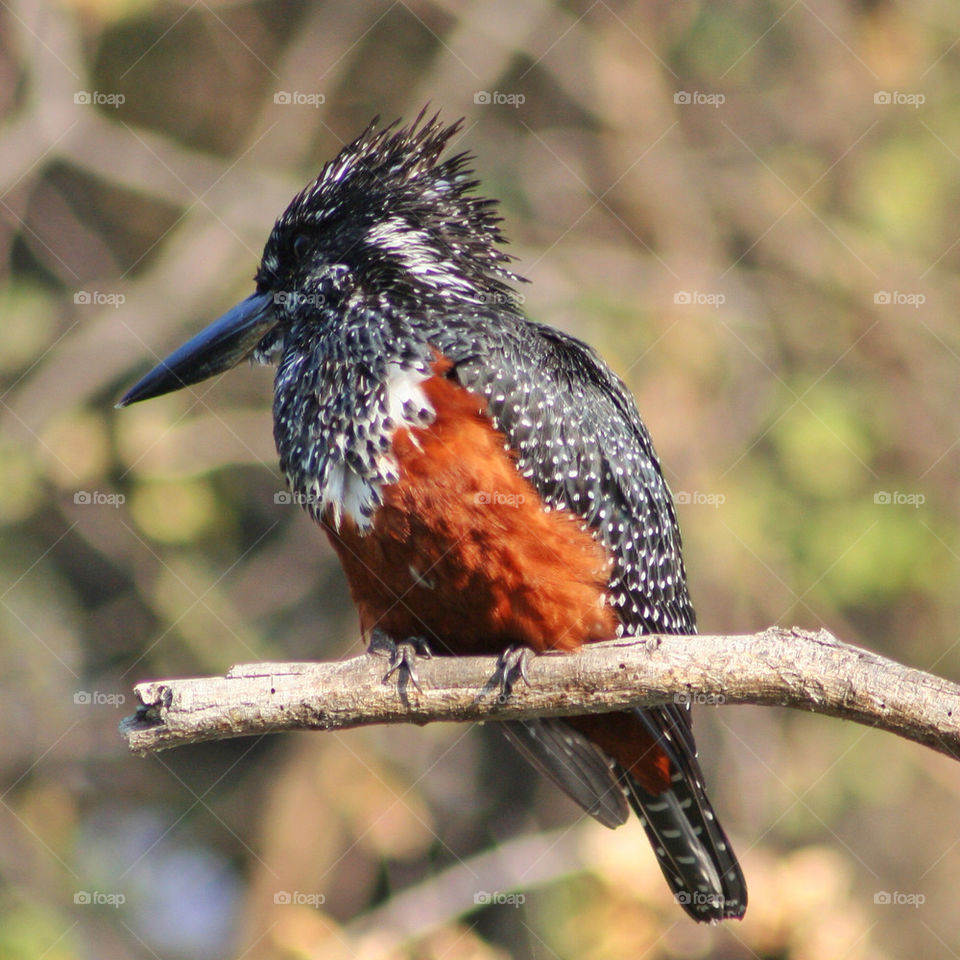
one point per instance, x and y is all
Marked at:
(387, 223)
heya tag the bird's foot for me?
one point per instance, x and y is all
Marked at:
(403, 655)
(512, 663)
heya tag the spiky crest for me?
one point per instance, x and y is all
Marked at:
(388, 217)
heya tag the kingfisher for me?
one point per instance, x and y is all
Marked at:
(486, 480)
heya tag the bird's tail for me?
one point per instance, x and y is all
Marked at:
(691, 848)
(644, 759)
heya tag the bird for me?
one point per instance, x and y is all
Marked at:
(485, 479)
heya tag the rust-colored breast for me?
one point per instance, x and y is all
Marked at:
(462, 552)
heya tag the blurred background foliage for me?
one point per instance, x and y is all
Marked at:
(775, 275)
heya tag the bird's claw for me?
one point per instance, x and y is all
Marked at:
(512, 663)
(403, 655)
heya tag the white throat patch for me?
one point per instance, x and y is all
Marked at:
(347, 493)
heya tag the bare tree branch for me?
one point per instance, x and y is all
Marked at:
(778, 667)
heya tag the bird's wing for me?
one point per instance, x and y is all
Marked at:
(577, 436)
(573, 763)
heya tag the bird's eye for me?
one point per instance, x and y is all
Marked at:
(301, 245)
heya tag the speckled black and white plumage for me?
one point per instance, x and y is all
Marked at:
(387, 259)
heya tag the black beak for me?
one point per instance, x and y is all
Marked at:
(219, 347)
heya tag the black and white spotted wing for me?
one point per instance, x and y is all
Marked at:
(578, 437)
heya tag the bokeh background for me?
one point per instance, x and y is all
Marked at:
(751, 208)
